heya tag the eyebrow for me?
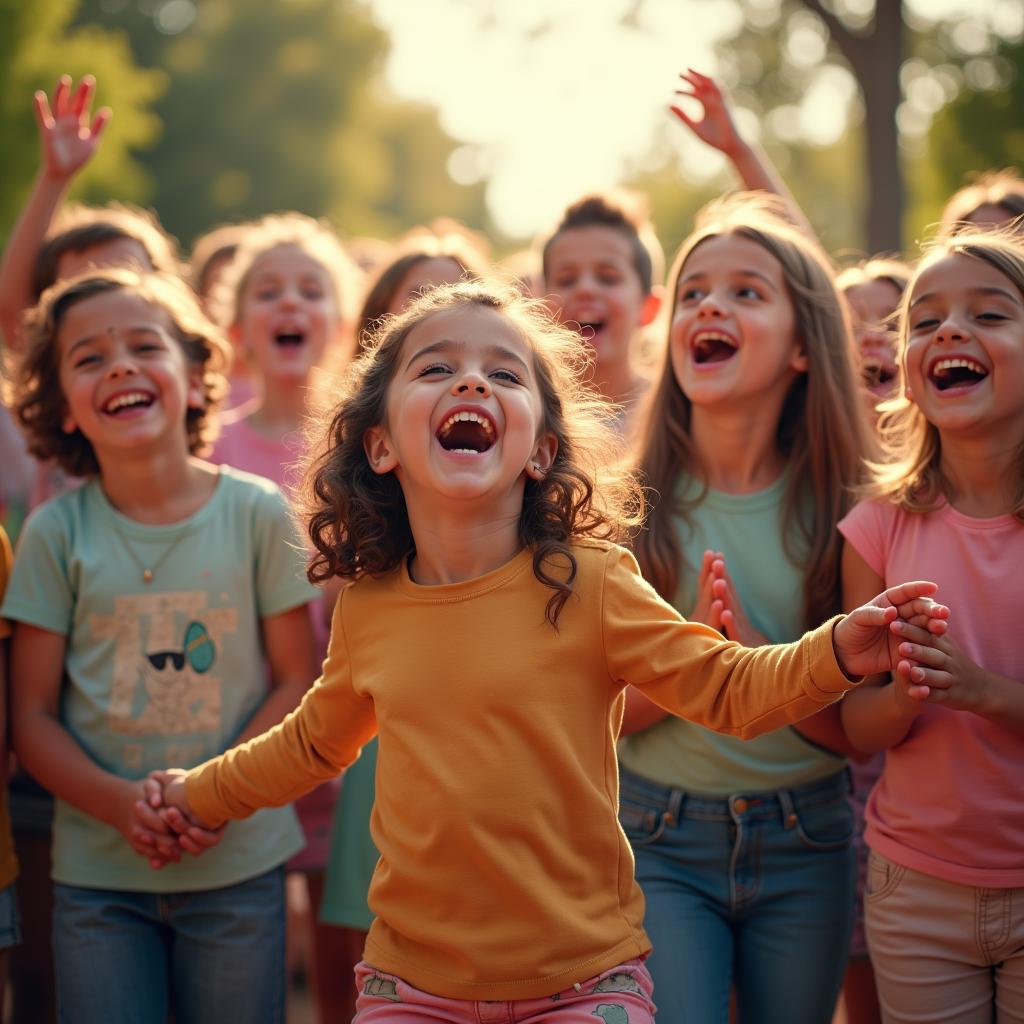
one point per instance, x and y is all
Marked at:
(92, 338)
(739, 273)
(1000, 292)
(447, 345)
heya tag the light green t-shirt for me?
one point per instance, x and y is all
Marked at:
(164, 674)
(747, 529)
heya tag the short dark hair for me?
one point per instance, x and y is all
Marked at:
(622, 212)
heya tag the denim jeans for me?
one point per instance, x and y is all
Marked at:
(753, 891)
(215, 956)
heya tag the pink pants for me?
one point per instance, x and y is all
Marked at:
(620, 995)
(944, 952)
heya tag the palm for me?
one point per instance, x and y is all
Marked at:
(68, 138)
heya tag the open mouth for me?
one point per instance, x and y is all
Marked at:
(289, 339)
(467, 433)
(126, 402)
(711, 347)
(878, 376)
(590, 329)
(958, 372)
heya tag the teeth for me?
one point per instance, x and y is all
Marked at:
(466, 417)
(131, 398)
(713, 336)
(951, 364)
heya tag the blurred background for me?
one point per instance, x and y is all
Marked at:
(380, 114)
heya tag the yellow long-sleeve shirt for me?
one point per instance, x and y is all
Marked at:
(503, 871)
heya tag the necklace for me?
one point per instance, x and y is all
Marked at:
(148, 571)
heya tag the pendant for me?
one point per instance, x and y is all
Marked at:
(147, 575)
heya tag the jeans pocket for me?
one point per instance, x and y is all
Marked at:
(883, 878)
(826, 826)
(642, 823)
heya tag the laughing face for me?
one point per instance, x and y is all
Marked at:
(126, 383)
(288, 313)
(464, 414)
(596, 288)
(873, 304)
(733, 328)
(964, 354)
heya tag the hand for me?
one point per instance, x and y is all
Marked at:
(165, 796)
(941, 673)
(67, 138)
(146, 833)
(867, 640)
(708, 608)
(735, 624)
(716, 128)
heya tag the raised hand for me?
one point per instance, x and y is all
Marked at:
(868, 640)
(66, 134)
(716, 126)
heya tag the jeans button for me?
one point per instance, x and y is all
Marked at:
(739, 805)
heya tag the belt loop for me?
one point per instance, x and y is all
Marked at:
(674, 813)
(786, 806)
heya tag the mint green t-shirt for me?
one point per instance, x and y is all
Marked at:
(166, 673)
(747, 529)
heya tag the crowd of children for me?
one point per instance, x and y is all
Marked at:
(667, 632)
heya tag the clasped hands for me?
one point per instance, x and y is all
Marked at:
(163, 825)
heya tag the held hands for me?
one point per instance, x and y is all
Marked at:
(67, 137)
(894, 628)
(939, 673)
(163, 811)
(716, 128)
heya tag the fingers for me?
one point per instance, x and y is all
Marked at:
(83, 95)
(60, 95)
(914, 632)
(904, 593)
(197, 840)
(100, 121)
(924, 657)
(41, 108)
(149, 818)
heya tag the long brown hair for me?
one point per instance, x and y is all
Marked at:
(911, 472)
(821, 431)
(357, 519)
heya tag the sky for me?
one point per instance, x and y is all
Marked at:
(554, 98)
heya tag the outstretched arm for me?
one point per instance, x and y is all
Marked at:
(68, 137)
(717, 129)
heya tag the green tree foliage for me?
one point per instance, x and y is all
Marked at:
(278, 106)
(37, 44)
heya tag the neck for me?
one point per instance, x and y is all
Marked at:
(616, 381)
(283, 407)
(451, 550)
(157, 489)
(982, 473)
(736, 446)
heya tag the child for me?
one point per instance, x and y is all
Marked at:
(10, 931)
(743, 847)
(600, 266)
(945, 823)
(487, 636)
(423, 260)
(145, 603)
(287, 293)
(994, 200)
(873, 290)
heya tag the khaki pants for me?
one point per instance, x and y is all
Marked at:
(942, 951)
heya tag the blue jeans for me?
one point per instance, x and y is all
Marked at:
(213, 956)
(753, 891)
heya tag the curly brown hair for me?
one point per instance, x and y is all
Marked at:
(357, 519)
(33, 390)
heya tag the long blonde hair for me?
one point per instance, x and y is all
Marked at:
(910, 472)
(821, 429)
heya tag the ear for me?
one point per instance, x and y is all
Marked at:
(543, 456)
(67, 422)
(652, 305)
(196, 396)
(798, 361)
(379, 452)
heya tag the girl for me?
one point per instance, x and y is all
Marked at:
(743, 848)
(145, 603)
(286, 295)
(424, 260)
(945, 823)
(995, 199)
(488, 635)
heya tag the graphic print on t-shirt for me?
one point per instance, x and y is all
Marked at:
(165, 678)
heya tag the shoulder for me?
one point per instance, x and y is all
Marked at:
(65, 514)
(872, 514)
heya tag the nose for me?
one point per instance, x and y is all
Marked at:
(710, 307)
(122, 365)
(951, 330)
(471, 383)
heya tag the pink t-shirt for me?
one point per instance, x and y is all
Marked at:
(949, 802)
